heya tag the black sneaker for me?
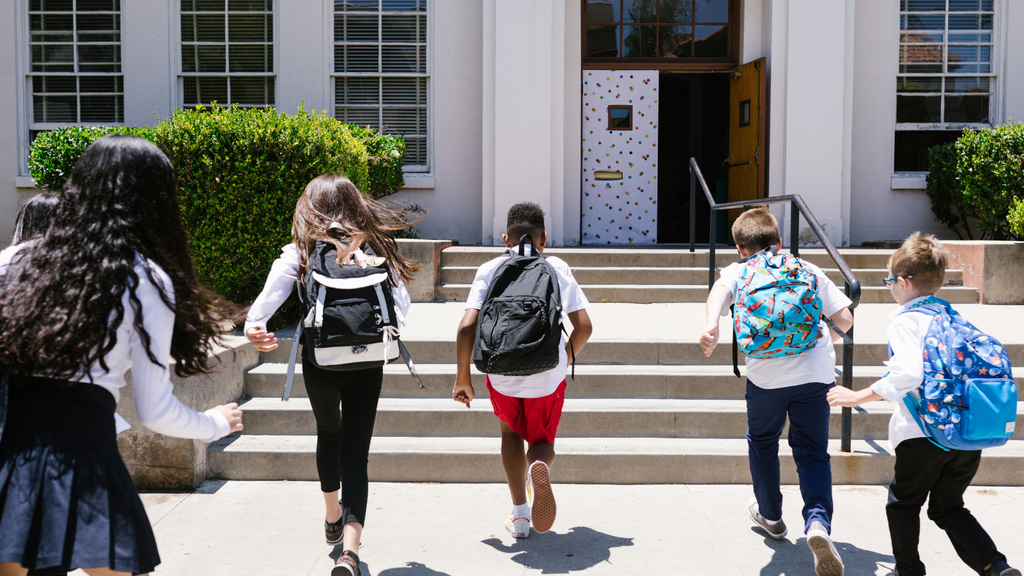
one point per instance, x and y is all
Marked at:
(334, 530)
(347, 565)
(1001, 568)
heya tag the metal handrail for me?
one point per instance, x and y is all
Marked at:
(797, 207)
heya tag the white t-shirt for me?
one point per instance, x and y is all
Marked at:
(814, 365)
(544, 383)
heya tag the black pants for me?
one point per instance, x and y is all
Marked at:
(343, 436)
(924, 470)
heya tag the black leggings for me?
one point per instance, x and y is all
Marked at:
(343, 437)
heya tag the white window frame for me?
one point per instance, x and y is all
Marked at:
(915, 180)
(25, 103)
(417, 176)
(180, 75)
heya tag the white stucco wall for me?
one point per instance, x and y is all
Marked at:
(11, 121)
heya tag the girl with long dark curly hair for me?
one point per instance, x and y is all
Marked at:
(107, 288)
(333, 211)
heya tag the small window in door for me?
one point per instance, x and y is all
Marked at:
(620, 117)
(744, 113)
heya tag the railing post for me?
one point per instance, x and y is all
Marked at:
(693, 210)
(794, 229)
(711, 251)
(847, 421)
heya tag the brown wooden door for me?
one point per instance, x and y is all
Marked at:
(747, 113)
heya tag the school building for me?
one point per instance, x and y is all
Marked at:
(591, 108)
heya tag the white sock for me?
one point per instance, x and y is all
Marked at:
(521, 511)
(771, 522)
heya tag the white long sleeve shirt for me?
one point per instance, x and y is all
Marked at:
(284, 273)
(153, 392)
(906, 334)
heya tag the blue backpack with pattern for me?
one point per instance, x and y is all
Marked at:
(777, 310)
(968, 400)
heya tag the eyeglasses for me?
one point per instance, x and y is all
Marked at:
(888, 281)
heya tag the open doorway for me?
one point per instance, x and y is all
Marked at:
(693, 121)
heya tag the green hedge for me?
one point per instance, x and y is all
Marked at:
(239, 174)
(978, 181)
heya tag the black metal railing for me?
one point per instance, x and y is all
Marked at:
(798, 208)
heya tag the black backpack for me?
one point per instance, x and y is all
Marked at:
(518, 329)
(349, 318)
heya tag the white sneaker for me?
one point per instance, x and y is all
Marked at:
(776, 531)
(518, 527)
(826, 558)
(539, 496)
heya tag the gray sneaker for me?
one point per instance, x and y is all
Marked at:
(1001, 568)
(826, 558)
(778, 531)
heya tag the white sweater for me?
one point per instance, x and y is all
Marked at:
(155, 403)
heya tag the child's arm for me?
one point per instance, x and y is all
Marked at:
(718, 300)
(906, 368)
(581, 331)
(463, 390)
(843, 320)
(283, 275)
(846, 398)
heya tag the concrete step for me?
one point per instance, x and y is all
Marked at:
(636, 352)
(661, 257)
(673, 275)
(653, 293)
(707, 381)
(604, 417)
(580, 460)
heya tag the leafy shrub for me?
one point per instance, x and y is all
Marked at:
(240, 173)
(981, 178)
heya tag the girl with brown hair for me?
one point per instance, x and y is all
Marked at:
(333, 211)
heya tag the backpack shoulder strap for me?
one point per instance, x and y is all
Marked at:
(292, 356)
(914, 407)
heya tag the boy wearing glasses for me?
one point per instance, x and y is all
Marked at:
(792, 385)
(923, 469)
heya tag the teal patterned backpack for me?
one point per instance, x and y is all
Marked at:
(968, 400)
(777, 310)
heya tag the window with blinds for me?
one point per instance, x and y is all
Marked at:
(227, 52)
(381, 72)
(75, 71)
(946, 75)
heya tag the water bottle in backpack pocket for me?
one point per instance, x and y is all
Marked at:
(968, 400)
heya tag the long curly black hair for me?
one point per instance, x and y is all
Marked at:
(62, 300)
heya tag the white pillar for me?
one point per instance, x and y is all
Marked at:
(148, 61)
(304, 54)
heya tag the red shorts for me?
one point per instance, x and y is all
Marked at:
(534, 419)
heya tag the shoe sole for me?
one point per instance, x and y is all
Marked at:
(342, 570)
(334, 542)
(826, 559)
(543, 510)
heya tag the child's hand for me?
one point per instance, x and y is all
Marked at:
(843, 397)
(261, 339)
(709, 339)
(463, 392)
(233, 413)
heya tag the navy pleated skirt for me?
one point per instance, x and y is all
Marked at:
(66, 498)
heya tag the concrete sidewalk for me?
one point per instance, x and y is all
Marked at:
(275, 528)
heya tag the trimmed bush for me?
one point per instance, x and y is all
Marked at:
(240, 173)
(981, 177)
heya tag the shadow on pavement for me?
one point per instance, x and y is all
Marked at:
(791, 557)
(578, 549)
(410, 569)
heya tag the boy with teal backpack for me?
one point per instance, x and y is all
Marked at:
(779, 303)
(954, 394)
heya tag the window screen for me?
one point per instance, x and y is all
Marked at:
(380, 70)
(227, 52)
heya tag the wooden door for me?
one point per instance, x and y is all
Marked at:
(747, 113)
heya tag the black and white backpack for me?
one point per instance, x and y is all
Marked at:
(518, 331)
(349, 318)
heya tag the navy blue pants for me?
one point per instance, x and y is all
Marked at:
(808, 413)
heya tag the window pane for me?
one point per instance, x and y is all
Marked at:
(967, 108)
(960, 84)
(712, 42)
(970, 5)
(415, 151)
(924, 22)
(355, 5)
(921, 38)
(970, 37)
(399, 59)
(361, 28)
(53, 53)
(712, 11)
(639, 11)
(603, 41)
(207, 90)
(209, 27)
(250, 58)
(100, 84)
(257, 91)
(602, 10)
(212, 58)
(101, 109)
(209, 5)
(53, 84)
(112, 37)
(970, 22)
(921, 59)
(188, 58)
(922, 5)
(403, 5)
(919, 84)
(97, 22)
(245, 28)
(405, 91)
(918, 109)
(188, 28)
(405, 120)
(357, 90)
(356, 59)
(360, 116)
(52, 5)
(52, 23)
(638, 41)
(677, 11)
(397, 28)
(911, 150)
(57, 109)
(97, 6)
(965, 54)
(676, 41)
(249, 6)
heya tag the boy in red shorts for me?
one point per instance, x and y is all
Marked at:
(529, 407)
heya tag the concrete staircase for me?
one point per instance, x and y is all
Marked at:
(673, 275)
(645, 407)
